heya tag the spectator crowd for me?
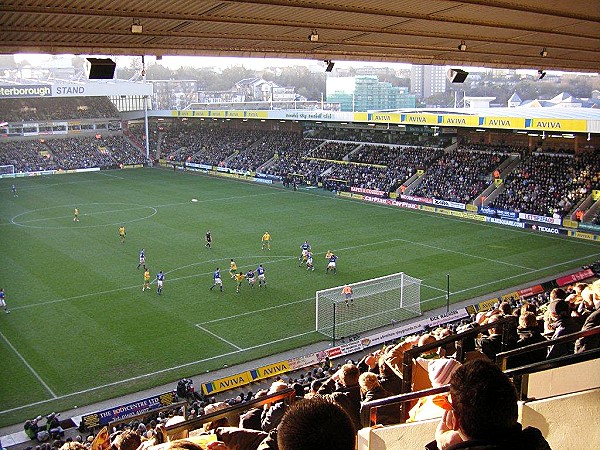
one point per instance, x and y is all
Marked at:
(539, 183)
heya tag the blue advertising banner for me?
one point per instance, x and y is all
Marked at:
(101, 418)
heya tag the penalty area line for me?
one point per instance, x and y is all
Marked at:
(218, 337)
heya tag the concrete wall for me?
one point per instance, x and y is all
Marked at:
(568, 422)
(564, 380)
(408, 436)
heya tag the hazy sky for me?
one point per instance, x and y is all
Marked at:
(175, 62)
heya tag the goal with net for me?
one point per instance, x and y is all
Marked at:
(372, 304)
(7, 171)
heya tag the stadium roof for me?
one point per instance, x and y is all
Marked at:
(496, 33)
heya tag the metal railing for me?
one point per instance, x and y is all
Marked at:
(287, 395)
(458, 339)
(519, 375)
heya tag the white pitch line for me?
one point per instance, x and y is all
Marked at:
(147, 375)
(247, 313)
(31, 369)
(457, 219)
(218, 337)
(423, 244)
(192, 363)
(155, 207)
(94, 213)
(504, 279)
(281, 260)
(286, 257)
(103, 172)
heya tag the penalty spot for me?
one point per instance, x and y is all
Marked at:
(194, 200)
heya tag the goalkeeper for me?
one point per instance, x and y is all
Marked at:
(347, 292)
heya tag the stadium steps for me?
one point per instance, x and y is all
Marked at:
(412, 183)
(266, 165)
(592, 212)
(356, 149)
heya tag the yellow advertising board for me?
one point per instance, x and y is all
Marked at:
(270, 370)
(570, 223)
(487, 304)
(513, 123)
(457, 120)
(223, 384)
(235, 114)
(419, 119)
(256, 114)
(556, 125)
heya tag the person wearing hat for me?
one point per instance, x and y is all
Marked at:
(213, 408)
(272, 414)
(559, 313)
(433, 406)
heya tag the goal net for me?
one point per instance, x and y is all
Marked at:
(7, 171)
(372, 304)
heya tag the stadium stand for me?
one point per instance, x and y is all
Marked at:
(459, 176)
(53, 109)
(548, 184)
(70, 153)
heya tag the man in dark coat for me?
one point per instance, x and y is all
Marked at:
(372, 390)
(491, 345)
(593, 320)
(529, 333)
(342, 387)
(564, 324)
(484, 413)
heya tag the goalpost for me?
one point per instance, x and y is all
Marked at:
(373, 304)
(7, 171)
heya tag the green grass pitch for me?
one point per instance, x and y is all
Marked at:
(81, 329)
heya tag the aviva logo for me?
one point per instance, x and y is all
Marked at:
(273, 370)
(456, 121)
(548, 124)
(499, 123)
(416, 119)
(231, 382)
(387, 118)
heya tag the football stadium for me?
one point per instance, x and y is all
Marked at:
(166, 273)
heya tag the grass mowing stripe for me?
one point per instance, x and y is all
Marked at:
(129, 380)
(31, 369)
(281, 259)
(122, 333)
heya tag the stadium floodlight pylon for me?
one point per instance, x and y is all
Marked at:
(374, 303)
(7, 171)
